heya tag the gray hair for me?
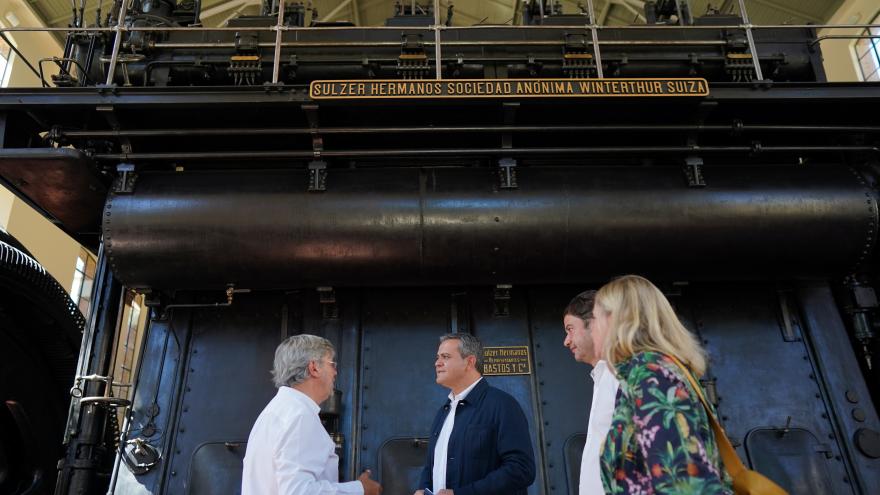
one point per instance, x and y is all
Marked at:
(292, 358)
(468, 345)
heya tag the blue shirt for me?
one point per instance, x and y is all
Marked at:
(490, 450)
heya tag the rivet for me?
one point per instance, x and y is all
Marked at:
(852, 396)
(858, 415)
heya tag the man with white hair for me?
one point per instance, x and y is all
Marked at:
(289, 452)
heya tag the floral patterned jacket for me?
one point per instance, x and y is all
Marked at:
(661, 441)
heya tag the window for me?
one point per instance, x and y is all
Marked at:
(83, 281)
(5, 63)
(868, 53)
(128, 341)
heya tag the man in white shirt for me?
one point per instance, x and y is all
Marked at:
(576, 319)
(289, 452)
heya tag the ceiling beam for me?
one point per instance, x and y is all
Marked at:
(629, 7)
(603, 14)
(336, 11)
(355, 13)
(225, 7)
(787, 10)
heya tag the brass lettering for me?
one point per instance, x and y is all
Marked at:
(509, 88)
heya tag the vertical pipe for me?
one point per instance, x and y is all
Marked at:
(86, 425)
(748, 27)
(597, 55)
(437, 51)
(276, 62)
(118, 41)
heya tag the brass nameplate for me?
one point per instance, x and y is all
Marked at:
(507, 88)
(506, 361)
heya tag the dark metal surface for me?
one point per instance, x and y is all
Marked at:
(62, 181)
(452, 226)
(837, 371)
(793, 457)
(771, 397)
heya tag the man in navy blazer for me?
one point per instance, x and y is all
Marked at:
(480, 442)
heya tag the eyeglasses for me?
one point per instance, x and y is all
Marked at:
(332, 363)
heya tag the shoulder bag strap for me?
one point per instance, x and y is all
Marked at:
(728, 455)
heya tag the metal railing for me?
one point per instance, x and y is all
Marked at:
(119, 29)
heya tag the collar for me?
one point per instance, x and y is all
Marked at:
(460, 397)
(476, 392)
(599, 370)
(293, 394)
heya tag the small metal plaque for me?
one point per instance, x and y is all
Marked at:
(507, 88)
(507, 361)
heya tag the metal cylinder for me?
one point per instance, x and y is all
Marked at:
(449, 226)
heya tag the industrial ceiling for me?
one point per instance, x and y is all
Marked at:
(57, 13)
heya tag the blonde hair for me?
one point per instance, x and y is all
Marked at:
(641, 319)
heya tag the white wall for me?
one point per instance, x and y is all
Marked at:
(840, 60)
(53, 248)
(34, 45)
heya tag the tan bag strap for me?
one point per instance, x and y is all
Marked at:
(728, 455)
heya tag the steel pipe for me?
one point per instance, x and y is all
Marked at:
(430, 226)
(280, 131)
(438, 152)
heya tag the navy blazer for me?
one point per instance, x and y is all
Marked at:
(490, 449)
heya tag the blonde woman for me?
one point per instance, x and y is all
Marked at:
(660, 439)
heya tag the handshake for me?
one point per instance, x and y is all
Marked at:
(373, 488)
(370, 485)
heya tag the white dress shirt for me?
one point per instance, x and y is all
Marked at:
(605, 386)
(441, 450)
(290, 453)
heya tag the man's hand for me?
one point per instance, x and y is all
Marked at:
(419, 492)
(370, 486)
(445, 492)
